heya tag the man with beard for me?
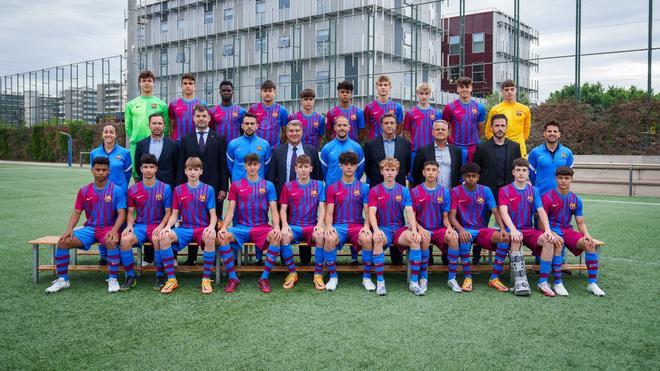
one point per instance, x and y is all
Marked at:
(546, 158)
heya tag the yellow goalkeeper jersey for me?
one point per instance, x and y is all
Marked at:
(519, 123)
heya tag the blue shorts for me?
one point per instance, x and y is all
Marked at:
(348, 233)
(256, 234)
(302, 234)
(186, 236)
(91, 235)
(143, 232)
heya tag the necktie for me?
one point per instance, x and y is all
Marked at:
(292, 166)
(201, 141)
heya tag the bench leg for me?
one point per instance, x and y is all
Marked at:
(139, 261)
(53, 259)
(75, 257)
(35, 263)
(407, 266)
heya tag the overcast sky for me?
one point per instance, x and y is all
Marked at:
(40, 33)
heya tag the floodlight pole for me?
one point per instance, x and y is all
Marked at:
(69, 141)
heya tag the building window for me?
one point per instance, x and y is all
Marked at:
(142, 61)
(181, 24)
(478, 43)
(209, 51)
(181, 57)
(163, 23)
(260, 6)
(208, 87)
(260, 42)
(284, 41)
(454, 45)
(257, 83)
(140, 33)
(164, 91)
(208, 17)
(229, 74)
(322, 83)
(322, 6)
(163, 6)
(322, 42)
(284, 80)
(228, 49)
(285, 4)
(228, 14)
(454, 72)
(163, 62)
(478, 72)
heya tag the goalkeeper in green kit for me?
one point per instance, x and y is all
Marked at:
(138, 111)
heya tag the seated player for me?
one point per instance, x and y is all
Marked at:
(518, 202)
(151, 199)
(194, 203)
(346, 200)
(562, 204)
(301, 201)
(105, 209)
(389, 204)
(431, 203)
(249, 201)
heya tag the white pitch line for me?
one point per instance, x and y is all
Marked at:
(623, 202)
(630, 261)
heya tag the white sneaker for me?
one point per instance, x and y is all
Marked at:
(592, 288)
(424, 285)
(368, 284)
(454, 286)
(332, 284)
(416, 289)
(58, 284)
(380, 289)
(147, 264)
(560, 289)
(113, 285)
(545, 289)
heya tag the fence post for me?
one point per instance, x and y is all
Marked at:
(630, 180)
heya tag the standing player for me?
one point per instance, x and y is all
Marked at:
(138, 110)
(432, 203)
(248, 143)
(313, 123)
(374, 110)
(333, 149)
(271, 116)
(466, 118)
(301, 202)
(470, 203)
(151, 199)
(518, 201)
(346, 201)
(250, 199)
(121, 164)
(519, 117)
(389, 204)
(418, 123)
(181, 110)
(545, 158)
(354, 115)
(226, 118)
(194, 203)
(105, 208)
(562, 204)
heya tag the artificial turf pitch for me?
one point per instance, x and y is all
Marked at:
(84, 327)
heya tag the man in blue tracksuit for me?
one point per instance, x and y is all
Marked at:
(242, 146)
(545, 158)
(331, 151)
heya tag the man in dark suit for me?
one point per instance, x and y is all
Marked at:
(211, 148)
(447, 155)
(387, 145)
(495, 157)
(166, 151)
(282, 167)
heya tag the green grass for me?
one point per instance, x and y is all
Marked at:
(85, 327)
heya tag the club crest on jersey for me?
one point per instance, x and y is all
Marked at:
(353, 117)
(315, 124)
(154, 105)
(480, 200)
(314, 193)
(519, 113)
(439, 199)
(159, 196)
(572, 206)
(474, 111)
(262, 190)
(234, 115)
(275, 114)
(530, 198)
(390, 111)
(259, 148)
(356, 192)
(118, 157)
(202, 198)
(563, 155)
(107, 198)
(398, 198)
(432, 116)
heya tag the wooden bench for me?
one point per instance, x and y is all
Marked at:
(245, 263)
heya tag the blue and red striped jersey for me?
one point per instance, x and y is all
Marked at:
(302, 201)
(561, 208)
(270, 120)
(226, 120)
(194, 204)
(471, 206)
(430, 204)
(150, 202)
(355, 118)
(464, 121)
(313, 127)
(348, 201)
(390, 204)
(375, 110)
(182, 112)
(100, 205)
(252, 201)
(420, 124)
(522, 203)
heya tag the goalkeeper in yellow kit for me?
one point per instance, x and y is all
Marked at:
(518, 116)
